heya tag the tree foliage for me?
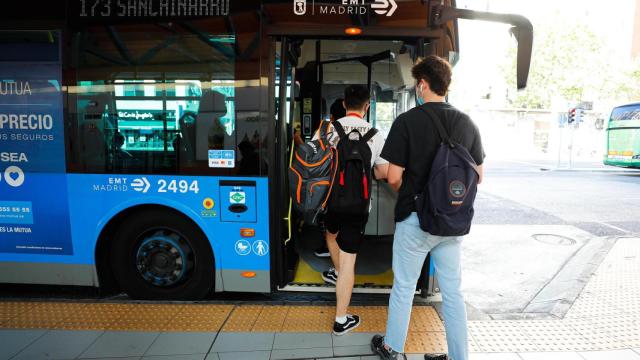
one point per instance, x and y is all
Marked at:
(570, 63)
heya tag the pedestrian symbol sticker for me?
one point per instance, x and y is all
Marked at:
(260, 248)
(243, 247)
(237, 197)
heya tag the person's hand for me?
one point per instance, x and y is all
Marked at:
(297, 139)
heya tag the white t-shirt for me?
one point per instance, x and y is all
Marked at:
(349, 123)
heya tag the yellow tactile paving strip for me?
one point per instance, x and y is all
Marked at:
(124, 317)
(426, 332)
(257, 318)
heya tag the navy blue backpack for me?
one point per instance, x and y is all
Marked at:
(445, 205)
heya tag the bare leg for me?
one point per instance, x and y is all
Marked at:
(334, 250)
(344, 286)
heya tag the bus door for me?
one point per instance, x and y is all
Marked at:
(287, 128)
(317, 71)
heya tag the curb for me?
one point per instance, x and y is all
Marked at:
(592, 170)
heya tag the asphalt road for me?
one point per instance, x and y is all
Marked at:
(600, 200)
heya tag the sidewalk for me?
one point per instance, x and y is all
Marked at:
(603, 324)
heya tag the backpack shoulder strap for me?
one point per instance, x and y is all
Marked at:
(369, 135)
(339, 129)
(436, 120)
(322, 133)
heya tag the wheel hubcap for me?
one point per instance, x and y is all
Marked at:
(163, 258)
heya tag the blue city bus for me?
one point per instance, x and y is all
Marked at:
(144, 144)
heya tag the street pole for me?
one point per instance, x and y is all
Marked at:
(560, 131)
(571, 147)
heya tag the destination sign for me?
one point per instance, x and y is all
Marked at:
(152, 8)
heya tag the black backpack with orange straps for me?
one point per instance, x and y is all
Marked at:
(311, 176)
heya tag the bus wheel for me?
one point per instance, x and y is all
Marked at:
(159, 255)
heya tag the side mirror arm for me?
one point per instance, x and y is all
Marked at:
(522, 29)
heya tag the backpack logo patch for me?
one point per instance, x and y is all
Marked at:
(457, 189)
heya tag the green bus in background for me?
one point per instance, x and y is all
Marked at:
(623, 136)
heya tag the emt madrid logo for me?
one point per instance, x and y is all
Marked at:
(349, 7)
(299, 7)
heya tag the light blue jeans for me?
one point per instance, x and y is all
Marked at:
(410, 248)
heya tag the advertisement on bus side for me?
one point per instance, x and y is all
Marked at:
(34, 215)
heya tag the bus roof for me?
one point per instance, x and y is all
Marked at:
(625, 105)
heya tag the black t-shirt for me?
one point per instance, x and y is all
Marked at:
(413, 142)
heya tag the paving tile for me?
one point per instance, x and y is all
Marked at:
(230, 342)
(199, 318)
(245, 355)
(271, 319)
(425, 342)
(214, 356)
(242, 318)
(551, 356)
(301, 353)
(352, 339)
(59, 344)
(598, 339)
(373, 318)
(415, 356)
(372, 357)
(175, 357)
(352, 350)
(181, 343)
(344, 358)
(302, 341)
(494, 356)
(13, 341)
(500, 336)
(309, 319)
(120, 344)
(554, 335)
(611, 354)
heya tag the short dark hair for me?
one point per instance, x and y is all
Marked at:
(355, 96)
(337, 109)
(436, 71)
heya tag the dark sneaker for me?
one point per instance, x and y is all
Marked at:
(330, 276)
(436, 357)
(377, 346)
(353, 321)
(322, 252)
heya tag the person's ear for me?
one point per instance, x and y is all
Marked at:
(344, 105)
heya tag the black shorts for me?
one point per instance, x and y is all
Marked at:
(350, 230)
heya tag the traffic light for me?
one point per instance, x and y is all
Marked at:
(572, 116)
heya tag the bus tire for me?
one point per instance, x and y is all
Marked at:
(161, 255)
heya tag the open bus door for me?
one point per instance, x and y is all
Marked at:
(317, 69)
(296, 106)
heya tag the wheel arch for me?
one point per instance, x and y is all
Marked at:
(106, 278)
